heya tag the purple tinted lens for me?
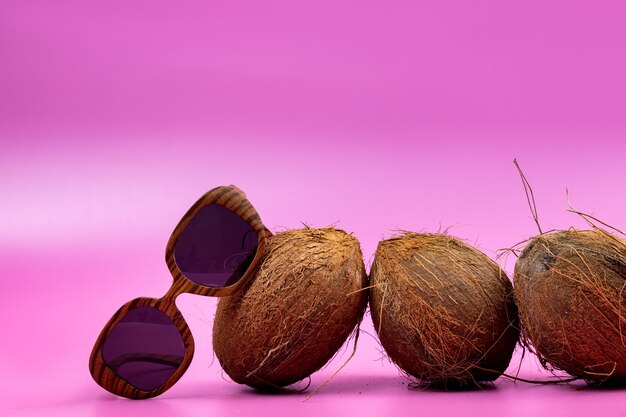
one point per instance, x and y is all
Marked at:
(145, 348)
(216, 248)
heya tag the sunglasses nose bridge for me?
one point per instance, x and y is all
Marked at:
(179, 285)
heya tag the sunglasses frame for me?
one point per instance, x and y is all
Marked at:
(234, 200)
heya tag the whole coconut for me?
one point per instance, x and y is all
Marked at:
(570, 287)
(444, 311)
(306, 299)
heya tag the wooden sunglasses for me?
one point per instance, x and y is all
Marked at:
(214, 250)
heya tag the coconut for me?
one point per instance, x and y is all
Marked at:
(570, 287)
(306, 299)
(443, 311)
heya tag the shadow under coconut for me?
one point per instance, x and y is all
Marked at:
(294, 390)
(595, 387)
(453, 387)
(343, 384)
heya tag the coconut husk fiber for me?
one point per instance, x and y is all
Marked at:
(444, 311)
(306, 299)
(570, 287)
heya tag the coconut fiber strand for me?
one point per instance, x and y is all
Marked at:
(571, 290)
(444, 311)
(306, 299)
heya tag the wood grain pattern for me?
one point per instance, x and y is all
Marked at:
(229, 197)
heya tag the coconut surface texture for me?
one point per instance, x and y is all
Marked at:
(306, 299)
(570, 287)
(444, 311)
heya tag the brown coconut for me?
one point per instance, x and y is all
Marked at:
(444, 311)
(306, 299)
(570, 287)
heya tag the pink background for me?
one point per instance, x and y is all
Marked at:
(116, 116)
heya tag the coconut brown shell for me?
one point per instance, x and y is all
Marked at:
(306, 299)
(571, 290)
(444, 311)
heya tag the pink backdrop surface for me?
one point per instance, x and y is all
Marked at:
(374, 116)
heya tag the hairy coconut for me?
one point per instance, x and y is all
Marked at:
(570, 287)
(306, 299)
(444, 311)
